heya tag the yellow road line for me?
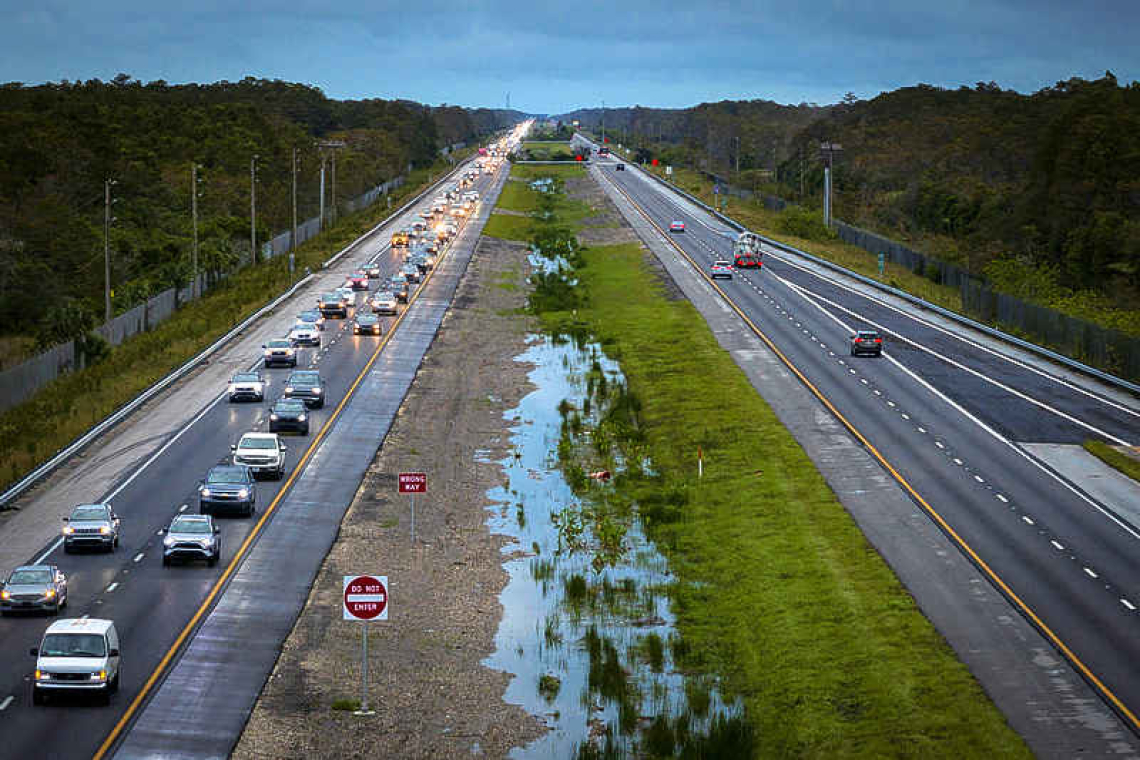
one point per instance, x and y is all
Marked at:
(113, 736)
(963, 545)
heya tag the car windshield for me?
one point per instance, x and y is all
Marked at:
(190, 525)
(864, 335)
(73, 645)
(366, 319)
(226, 475)
(303, 377)
(307, 316)
(290, 405)
(89, 513)
(330, 297)
(247, 377)
(257, 443)
(30, 578)
(302, 327)
(385, 296)
(278, 344)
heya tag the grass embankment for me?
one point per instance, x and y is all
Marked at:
(1122, 462)
(777, 590)
(517, 196)
(32, 432)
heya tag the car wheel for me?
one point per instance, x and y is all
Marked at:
(115, 684)
(305, 431)
(66, 548)
(166, 561)
(212, 561)
(105, 696)
(37, 696)
(55, 609)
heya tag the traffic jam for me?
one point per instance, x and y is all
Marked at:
(286, 388)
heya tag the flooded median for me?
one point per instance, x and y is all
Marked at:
(587, 631)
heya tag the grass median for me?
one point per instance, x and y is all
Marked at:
(33, 431)
(776, 590)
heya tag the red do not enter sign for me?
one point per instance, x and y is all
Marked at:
(365, 597)
(413, 482)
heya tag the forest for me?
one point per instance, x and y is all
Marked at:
(1037, 192)
(60, 144)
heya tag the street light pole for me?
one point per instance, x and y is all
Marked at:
(195, 289)
(321, 223)
(107, 249)
(293, 239)
(253, 209)
(828, 151)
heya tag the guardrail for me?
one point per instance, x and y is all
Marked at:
(914, 300)
(131, 406)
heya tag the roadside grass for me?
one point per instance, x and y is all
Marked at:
(776, 588)
(517, 196)
(564, 171)
(508, 227)
(33, 431)
(1120, 461)
(15, 349)
(545, 144)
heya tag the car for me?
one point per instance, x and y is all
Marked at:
(419, 226)
(372, 269)
(411, 273)
(91, 525)
(289, 414)
(426, 213)
(384, 302)
(676, 226)
(332, 305)
(33, 588)
(305, 334)
(619, 168)
(419, 261)
(191, 537)
(247, 385)
(306, 385)
(367, 324)
(77, 656)
(458, 210)
(312, 316)
(228, 488)
(279, 351)
(262, 453)
(867, 342)
(721, 269)
(357, 280)
(348, 295)
(399, 238)
(399, 287)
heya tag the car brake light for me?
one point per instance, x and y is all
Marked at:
(878, 340)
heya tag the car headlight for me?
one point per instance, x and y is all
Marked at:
(288, 388)
(316, 390)
(232, 387)
(5, 595)
(273, 416)
(42, 676)
(242, 493)
(104, 530)
(269, 353)
(204, 492)
(301, 418)
(50, 593)
(68, 530)
(99, 675)
(168, 541)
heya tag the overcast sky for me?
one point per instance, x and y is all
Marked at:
(554, 57)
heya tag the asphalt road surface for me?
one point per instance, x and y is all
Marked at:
(952, 419)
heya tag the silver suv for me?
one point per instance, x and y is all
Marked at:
(91, 525)
(34, 587)
(192, 537)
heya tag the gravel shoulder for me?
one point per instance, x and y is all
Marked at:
(431, 695)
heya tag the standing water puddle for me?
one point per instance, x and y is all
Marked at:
(590, 641)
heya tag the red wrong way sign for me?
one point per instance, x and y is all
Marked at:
(413, 482)
(365, 597)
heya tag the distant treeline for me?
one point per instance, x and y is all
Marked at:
(1039, 192)
(60, 142)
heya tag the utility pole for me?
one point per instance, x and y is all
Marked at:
(253, 209)
(603, 122)
(107, 249)
(293, 239)
(195, 289)
(329, 145)
(332, 211)
(738, 160)
(321, 223)
(828, 151)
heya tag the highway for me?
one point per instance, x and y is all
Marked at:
(954, 421)
(156, 609)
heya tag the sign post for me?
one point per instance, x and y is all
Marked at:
(365, 598)
(413, 483)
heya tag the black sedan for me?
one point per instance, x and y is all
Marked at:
(227, 487)
(289, 414)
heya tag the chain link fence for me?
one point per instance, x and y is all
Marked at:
(18, 383)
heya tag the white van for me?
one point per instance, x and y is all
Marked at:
(78, 655)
